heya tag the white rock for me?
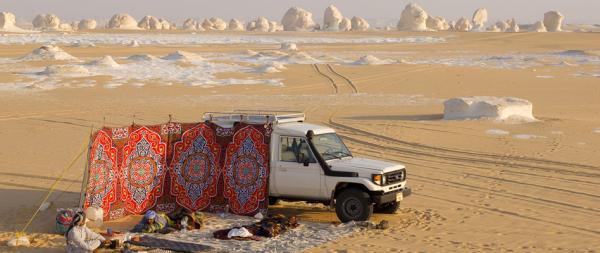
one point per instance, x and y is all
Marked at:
(503, 108)
(182, 56)
(332, 19)
(122, 21)
(437, 24)
(493, 28)
(106, 61)
(46, 22)
(480, 17)
(235, 25)
(372, 60)
(345, 25)
(251, 26)
(218, 24)
(65, 27)
(134, 43)
(413, 18)
(48, 52)
(553, 21)
(275, 27)
(87, 24)
(502, 26)
(8, 23)
(359, 24)
(288, 46)
(463, 25)
(65, 70)
(207, 25)
(190, 24)
(150, 23)
(513, 27)
(142, 57)
(262, 24)
(22, 241)
(298, 19)
(538, 27)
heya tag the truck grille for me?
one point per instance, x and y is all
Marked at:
(395, 176)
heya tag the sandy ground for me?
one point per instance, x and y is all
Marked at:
(472, 191)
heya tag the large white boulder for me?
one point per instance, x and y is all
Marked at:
(497, 108)
(87, 24)
(122, 21)
(207, 25)
(413, 18)
(235, 25)
(190, 24)
(480, 17)
(218, 24)
(262, 24)
(332, 19)
(251, 26)
(275, 27)
(48, 53)
(298, 19)
(553, 21)
(513, 27)
(359, 24)
(46, 22)
(8, 22)
(502, 26)
(538, 27)
(463, 25)
(345, 25)
(437, 24)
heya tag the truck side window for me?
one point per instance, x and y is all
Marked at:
(294, 148)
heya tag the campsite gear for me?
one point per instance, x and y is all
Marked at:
(239, 232)
(64, 218)
(269, 227)
(152, 242)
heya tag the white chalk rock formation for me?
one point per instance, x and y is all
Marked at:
(65, 27)
(359, 24)
(413, 18)
(8, 23)
(345, 25)
(190, 24)
(502, 26)
(106, 61)
(480, 17)
(87, 24)
(48, 53)
(494, 28)
(332, 19)
(262, 24)
(298, 19)
(65, 70)
(513, 27)
(372, 60)
(553, 21)
(275, 27)
(122, 21)
(218, 24)
(142, 57)
(251, 26)
(207, 25)
(288, 46)
(183, 56)
(503, 108)
(539, 27)
(150, 23)
(463, 25)
(437, 24)
(235, 25)
(46, 22)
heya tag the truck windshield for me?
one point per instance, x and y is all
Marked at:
(330, 146)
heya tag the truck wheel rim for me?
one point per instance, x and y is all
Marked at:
(353, 207)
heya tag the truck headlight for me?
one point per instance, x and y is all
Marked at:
(378, 179)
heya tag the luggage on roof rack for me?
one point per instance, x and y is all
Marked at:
(255, 116)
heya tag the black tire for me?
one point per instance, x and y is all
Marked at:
(273, 201)
(389, 208)
(353, 205)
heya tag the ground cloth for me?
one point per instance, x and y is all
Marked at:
(152, 242)
(197, 166)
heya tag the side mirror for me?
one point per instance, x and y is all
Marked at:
(306, 162)
(303, 159)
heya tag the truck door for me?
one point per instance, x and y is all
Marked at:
(297, 172)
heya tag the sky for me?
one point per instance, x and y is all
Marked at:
(525, 11)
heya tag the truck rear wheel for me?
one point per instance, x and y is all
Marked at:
(389, 208)
(353, 205)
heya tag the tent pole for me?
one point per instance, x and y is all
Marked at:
(86, 172)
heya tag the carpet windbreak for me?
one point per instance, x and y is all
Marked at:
(196, 166)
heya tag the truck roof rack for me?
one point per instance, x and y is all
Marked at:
(255, 116)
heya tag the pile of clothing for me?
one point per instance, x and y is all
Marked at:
(271, 226)
(156, 222)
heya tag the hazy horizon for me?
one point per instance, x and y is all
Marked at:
(575, 11)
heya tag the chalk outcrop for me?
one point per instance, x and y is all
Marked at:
(87, 24)
(553, 21)
(298, 19)
(275, 27)
(413, 18)
(190, 24)
(122, 21)
(262, 24)
(513, 27)
(480, 17)
(437, 24)
(214, 24)
(150, 23)
(8, 23)
(235, 25)
(46, 22)
(332, 19)
(345, 25)
(463, 25)
(48, 53)
(504, 108)
(539, 27)
(359, 24)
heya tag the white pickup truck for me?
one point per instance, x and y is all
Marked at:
(311, 163)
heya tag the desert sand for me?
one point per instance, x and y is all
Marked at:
(478, 185)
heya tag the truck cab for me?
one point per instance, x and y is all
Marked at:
(311, 163)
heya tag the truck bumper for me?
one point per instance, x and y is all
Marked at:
(395, 196)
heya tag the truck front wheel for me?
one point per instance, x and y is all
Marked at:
(353, 205)
(389, 208)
